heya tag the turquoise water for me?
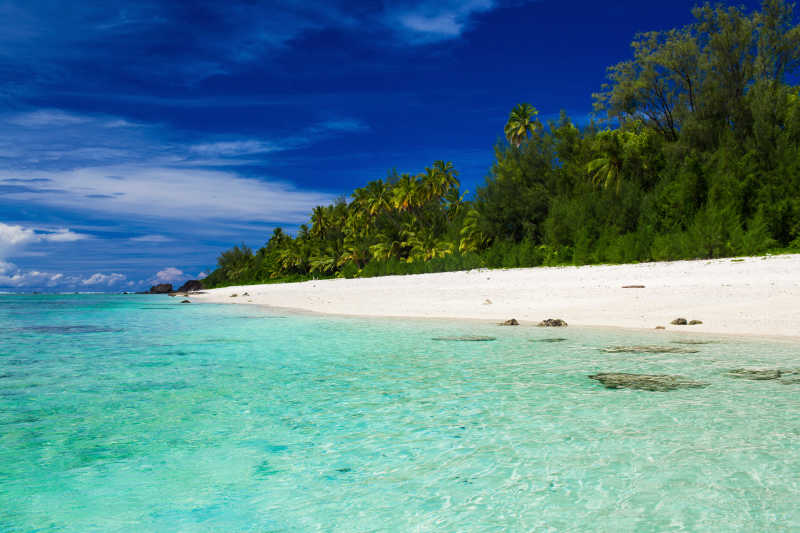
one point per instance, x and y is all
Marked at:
(137, 413)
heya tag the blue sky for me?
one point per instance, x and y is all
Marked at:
(140, 139)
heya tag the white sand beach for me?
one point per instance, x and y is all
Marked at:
(746, 296)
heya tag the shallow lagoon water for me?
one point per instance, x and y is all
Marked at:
(136, 413)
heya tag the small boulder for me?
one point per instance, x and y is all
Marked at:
(234, 295)
(246, 294)
(660, 327)
(633, 286)
(487, 301)
(695, 322)
(185, 302)
(509, 322)
(552, 323)
(679, 322)
(649, 382)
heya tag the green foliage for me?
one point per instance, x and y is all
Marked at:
(520, 123)
(699, 158)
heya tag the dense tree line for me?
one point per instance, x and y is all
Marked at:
(695, 153)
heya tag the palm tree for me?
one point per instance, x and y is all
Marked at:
(438, 180)
(472, 239)
(607, 168)
(323, 261)
(319, 221)
(449, 173)
(354, 250)
(378, 198)
(520, 123)
(423, 243)
(387, 247)
(405, 193)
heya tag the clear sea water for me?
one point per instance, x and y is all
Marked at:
(137, 413)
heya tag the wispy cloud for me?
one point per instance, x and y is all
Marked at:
(76, 164)
(429, 21)
(234, 148)
(151, 239)
(103, 279)
(306, 137)
(174, 193)
(47, 118)
(339, 125)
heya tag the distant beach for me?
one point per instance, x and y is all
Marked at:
(746, 296)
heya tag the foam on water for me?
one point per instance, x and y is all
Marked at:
(136, 413)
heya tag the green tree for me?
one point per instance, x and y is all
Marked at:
(521, 122)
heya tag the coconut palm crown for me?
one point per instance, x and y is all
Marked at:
(521, 122)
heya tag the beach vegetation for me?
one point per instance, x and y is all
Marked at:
(693, 152)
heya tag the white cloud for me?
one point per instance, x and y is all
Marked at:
(234, 148)
(6, 268)
(11, 276)
(305, 137)
(62, 235)
(14, 237)
(47, 117)
(428, 21)
(169, 192)
(202, 275)
(344, 125)
(103, 279)
(151, 238)
(169, 274)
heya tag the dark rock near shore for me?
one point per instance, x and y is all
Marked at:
(649, 382)
(553, 339)
(679, 322)
(757, 375)
(185, 302)
(695, 322)
(161, 288)
(786, 376)
(191, 286)
(509, 322)
(552, 323)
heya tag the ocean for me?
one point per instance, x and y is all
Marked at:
(139, 413)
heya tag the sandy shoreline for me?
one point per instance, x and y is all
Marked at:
(743, 296)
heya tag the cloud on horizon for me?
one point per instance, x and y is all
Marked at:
(103, 279)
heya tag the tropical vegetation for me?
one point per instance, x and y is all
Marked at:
(694, 152)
